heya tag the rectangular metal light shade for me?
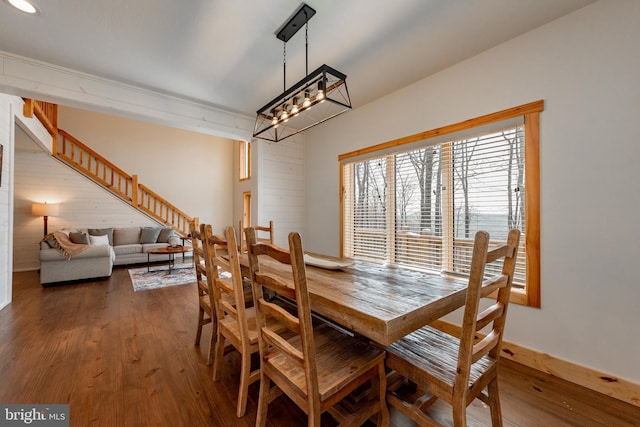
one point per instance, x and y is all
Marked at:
(318, 97)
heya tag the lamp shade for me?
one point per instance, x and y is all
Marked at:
(44, 209)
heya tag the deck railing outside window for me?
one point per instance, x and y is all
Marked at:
(418, 202)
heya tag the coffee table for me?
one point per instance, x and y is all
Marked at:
(168, 250)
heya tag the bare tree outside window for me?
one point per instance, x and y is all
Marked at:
(487, 177)
(370, 208)
(418, 202)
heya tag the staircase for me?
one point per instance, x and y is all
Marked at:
(91, 164)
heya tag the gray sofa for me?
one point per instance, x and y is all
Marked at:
(126, 245)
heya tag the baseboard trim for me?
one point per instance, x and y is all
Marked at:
(22, 270)
(592, 379)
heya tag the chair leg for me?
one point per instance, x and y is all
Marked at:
(459, 414)
(217, 361)
(314, 419)
(381, 382)
(200, 323)
(212, 344)
(494, 403)
(263, 401)
(243, 390)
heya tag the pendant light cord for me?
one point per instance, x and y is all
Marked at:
(284, 66)
(306, 46)
(306, 54)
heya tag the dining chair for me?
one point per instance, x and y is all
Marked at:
(315, 367)
(204, 282)
(261, 230)
(458, 370)
(236, 321)
(264, 233)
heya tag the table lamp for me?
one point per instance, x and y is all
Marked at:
(44, 210)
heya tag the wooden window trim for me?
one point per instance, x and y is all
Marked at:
(531, 296)
(244, 161)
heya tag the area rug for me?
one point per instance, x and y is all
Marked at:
(159, 277)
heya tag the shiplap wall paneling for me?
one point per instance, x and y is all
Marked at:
(281, 187)
(83, 204)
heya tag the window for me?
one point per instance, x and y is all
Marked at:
(246, 210)
(245, 160)
(418, 201)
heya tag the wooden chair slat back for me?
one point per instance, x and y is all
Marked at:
(268, 313)
(196, 241)
(235, 320)
(279, 314)
(198, 259)
(204, 275)
(264, 234)
(268, 229)
(204, 280)
(227, 279)
(472, 350)
(276, 284)
(224, 285)
(222, 263)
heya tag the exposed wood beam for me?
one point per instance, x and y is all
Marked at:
(34, 79)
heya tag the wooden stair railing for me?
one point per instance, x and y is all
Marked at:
(159, 208)
(90, 163)
(45, 112)
(102, 171)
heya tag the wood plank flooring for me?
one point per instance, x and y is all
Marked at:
(122, 358)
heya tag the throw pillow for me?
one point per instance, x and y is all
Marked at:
(102, 240)
(165, 233)
(50, 241)
(102, 232)
(79, 237)
(149, 234)
(126, 236)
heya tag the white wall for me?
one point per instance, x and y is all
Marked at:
(12, 122)
(586, 68)
(82, 204)
(6, 195)
(193, 171)
(277, 187)
(280, 192)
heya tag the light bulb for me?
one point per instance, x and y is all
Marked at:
(320, 94)
(306, 103)
(24, 6)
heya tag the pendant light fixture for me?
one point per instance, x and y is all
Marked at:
(25, 6)
(318, 97)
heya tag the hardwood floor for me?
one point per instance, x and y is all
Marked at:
(121, 358)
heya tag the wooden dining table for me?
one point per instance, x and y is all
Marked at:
(383, 303)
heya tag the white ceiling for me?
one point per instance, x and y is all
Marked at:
(224, 53)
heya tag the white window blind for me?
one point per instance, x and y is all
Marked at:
(367, 235)
(421, 207)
